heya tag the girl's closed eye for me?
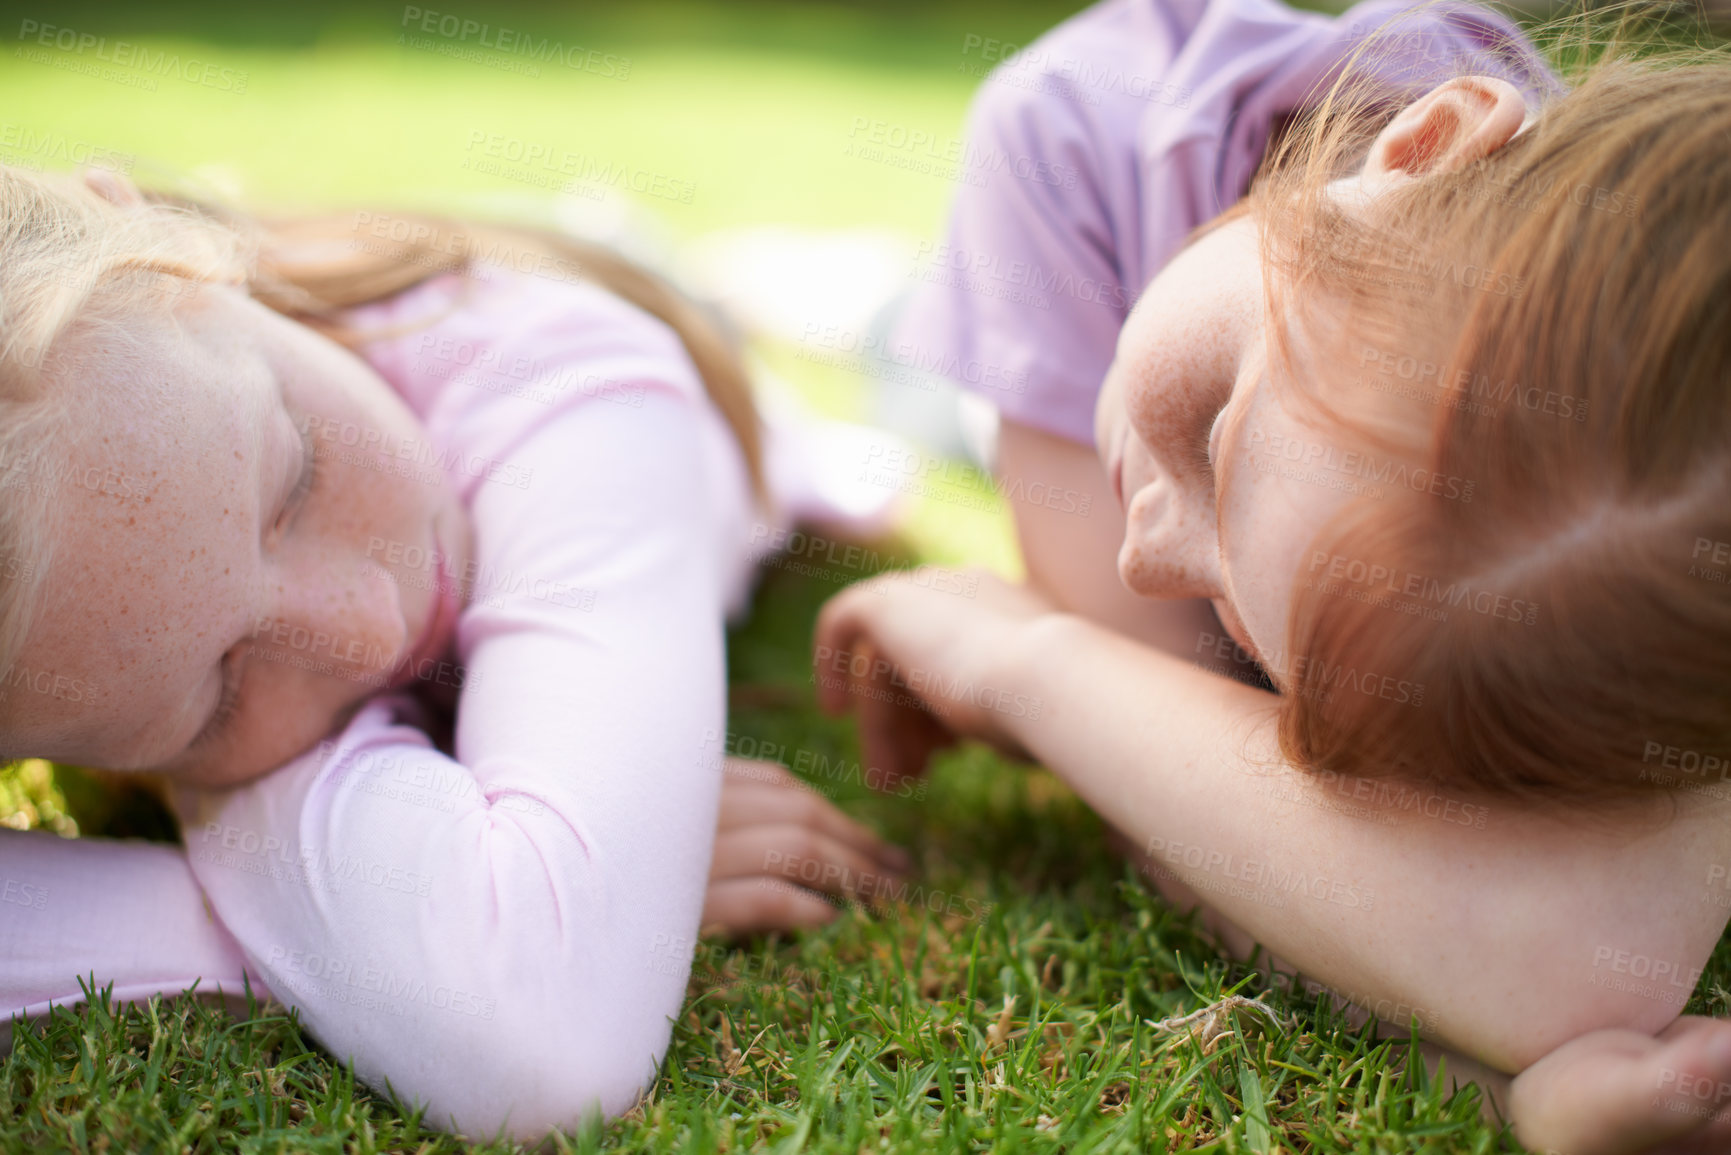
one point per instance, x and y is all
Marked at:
(1213, 443)
(311, 467)
(1206, 434)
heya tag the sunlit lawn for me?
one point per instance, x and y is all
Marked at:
(1026, 1020)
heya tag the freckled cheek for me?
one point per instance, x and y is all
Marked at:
(1259, 577)
(387, 500)
(1162, 407)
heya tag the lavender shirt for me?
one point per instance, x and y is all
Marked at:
(1114, 135)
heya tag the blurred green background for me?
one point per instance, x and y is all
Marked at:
(740, 114)
(744, 112)
(752, 102)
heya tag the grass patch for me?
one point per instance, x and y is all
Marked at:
(1018, 1014)
(1011, 1003)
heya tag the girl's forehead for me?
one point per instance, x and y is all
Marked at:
(155, 503)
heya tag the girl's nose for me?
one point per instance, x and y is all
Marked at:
(345, 617)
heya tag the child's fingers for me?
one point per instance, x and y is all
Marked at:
(839, 633)
(897, 737)
(1614, 1091)
(1691, 1076)
(741, 906)
(797, 855)
(753, 771)
(795, 804)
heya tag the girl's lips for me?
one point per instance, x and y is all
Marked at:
(1118, 476)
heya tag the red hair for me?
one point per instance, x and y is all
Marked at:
(1552, 326)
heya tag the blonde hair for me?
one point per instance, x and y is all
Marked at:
(1586, 265)
(68, 258)
(71, 259)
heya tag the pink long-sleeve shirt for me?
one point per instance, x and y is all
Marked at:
(502, 933)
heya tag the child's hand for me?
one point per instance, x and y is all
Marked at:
(924, 664)
(1614, 1092)
(780, 846)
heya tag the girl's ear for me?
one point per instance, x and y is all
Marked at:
(1454, 124)
(115, 188)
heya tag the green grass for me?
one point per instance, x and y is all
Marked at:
(887, 1031)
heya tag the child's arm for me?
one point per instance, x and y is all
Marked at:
(505, 935)
(126, 913)
(1511, 938)
(1072, 559)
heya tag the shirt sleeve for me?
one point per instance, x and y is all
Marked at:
(1095, 152)
(120, 913)
(504, 935)
(1022, 301)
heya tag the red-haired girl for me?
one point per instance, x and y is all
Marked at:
(1423, 436)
